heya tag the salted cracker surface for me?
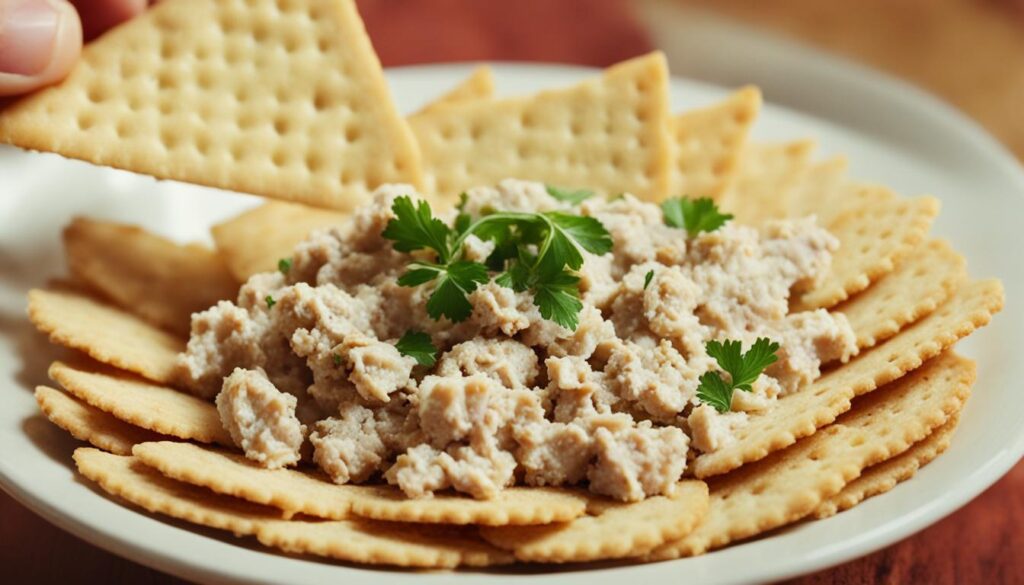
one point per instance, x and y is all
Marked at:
(90, 424)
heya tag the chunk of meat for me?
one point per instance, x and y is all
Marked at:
(261, 419)
(508, 362)
(659, 381)
(711, 430)
(635, 462)
(358, 441)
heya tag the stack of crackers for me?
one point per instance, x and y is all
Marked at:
(286, 99)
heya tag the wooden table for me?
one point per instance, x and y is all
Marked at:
(979, 544)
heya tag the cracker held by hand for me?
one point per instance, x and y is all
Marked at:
(611, 530)
(285, 101)
(610, 134)
(90, 424)
(150, 276)
(105, 333)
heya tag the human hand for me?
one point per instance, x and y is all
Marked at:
(40, 40)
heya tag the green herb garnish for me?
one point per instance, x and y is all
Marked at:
(571, 197)
(284, 265)
(336, 359)
(693, 215)
(538, 252)
(418, 346)
(647, 278)
(743, 369)
(270, 302)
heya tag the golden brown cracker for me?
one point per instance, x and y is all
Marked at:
(768, 178)
(383, 543)
(514, 506)
(147, 275)
(144, 404)
(284, 100)
(793, 483)
(609, 134)
(90, 424)
(873, 237)
(921, 282)
(884, 476)
(709, 143)
(820, 190)
(130, 480)
(611, 530)
(107, 334)
(289, 490)
(803, 412)
(479, 85)
(257, 239)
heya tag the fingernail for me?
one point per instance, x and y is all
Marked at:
(28, 35)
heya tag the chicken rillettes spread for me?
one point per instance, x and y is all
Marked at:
(304, 365)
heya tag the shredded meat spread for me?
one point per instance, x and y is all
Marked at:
(308, 357)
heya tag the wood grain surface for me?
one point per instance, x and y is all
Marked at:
(972, 53)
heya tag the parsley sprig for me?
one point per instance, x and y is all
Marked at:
(693, 215)
(743, 370)
(536, 252)
(418, 346)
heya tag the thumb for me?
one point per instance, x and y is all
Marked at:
(40, 40)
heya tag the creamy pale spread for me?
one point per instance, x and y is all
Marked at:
(306, 359)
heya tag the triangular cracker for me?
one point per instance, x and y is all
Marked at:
(609, 134)
(768, 179)
(479, 85)
(709, 143)
(286, 101)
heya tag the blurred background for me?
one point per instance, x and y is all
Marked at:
(969, 52)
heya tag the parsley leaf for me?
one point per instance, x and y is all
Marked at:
(418, 346)
(647, 278)
(284, 265)
(336, 359)
(270, 302)
(454, 285)
(558, 298)
(693, 215)
(414, 227)
(571, 197)
(743, 369)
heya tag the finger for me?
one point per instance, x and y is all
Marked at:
(40, 40)
(99, 15)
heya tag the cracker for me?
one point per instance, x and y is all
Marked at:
(609, 134)
(873, 237)
(820, 190)
(144, 404)
(792, 483)
(515, 506)
(383, 543)
(150, 276)
(803, 412)
(611, 530)
(255, 240)
(90, 424)
(231, 474)
(884, 476)
(281, 99)
(130, 480)
(479, 85)
(768, 178)
(709, 143)
(107, 334)
(922, 282)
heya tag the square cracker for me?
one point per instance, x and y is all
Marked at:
(709, 143)
(609, 134)
(820, 189)
(804, 412)
(105, 333)
(150, 276)
(792, 483)
(280, 99)
(90, 424)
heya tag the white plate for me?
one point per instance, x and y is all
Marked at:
(940, 153)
